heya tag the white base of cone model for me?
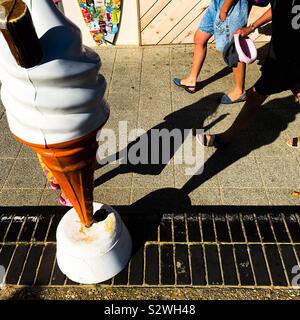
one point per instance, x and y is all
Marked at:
(95, 254)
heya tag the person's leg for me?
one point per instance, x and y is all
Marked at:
(236, 19)
(200, 40)
(239, 74)
(274, 79)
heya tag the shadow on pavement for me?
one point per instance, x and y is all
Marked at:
(272, 119)
(186, 119)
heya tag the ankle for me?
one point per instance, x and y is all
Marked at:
(238, 91)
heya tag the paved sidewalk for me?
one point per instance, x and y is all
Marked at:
(258, 169)
(140, 91)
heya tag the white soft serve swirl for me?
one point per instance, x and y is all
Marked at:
(61, 99)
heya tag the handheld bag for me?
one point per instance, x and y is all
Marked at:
(239, 49)
(245, 48)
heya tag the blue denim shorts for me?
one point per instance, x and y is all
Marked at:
(223, 30)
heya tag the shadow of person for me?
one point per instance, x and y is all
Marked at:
(183, 121)
(272, 119)
(143, 217)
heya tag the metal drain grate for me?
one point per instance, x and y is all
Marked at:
(219, 246)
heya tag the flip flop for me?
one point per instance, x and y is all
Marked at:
(214, 140)
(226, 100)
(186, 88)
(294, 143)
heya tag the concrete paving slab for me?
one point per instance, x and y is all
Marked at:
(257, 172)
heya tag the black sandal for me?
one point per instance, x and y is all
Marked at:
(186, 88)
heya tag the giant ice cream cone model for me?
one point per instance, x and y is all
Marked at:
(54, 103)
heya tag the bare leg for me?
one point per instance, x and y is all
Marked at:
(200, 40)
(239, 74)
(247, 113)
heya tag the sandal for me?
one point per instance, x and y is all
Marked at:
(226, 100)
(214, 140)
(294, 143)
(186, 88)
(64, 202)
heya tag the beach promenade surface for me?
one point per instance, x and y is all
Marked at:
(231, 232)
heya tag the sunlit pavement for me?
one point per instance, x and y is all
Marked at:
(235, 234)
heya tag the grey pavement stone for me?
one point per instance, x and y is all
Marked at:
(4, 128)
(274, 149)
(200, 196)
(181, 178)
(129, 56)
(107, 65)
(26, 173)
(113, 196)
(280, 172)
(10, 147)
(125, 99)
(244, 196)
(151, 104)
(243, 173)
(108, 56)
(20, 197)
(181, 61)
(283, 197)
(206, 196)
(124, 81)
(5, 165)
(2, 110)
(26, 153)
(222, 117)
(162, 179)
(257, 167)
(157, 197)
(149, 120)
(223, 85)
(112, 175)
(182, 99)
(50, 197)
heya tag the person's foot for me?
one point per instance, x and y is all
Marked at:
(235, 94)
(210, 140)
(187, 84)
(294, 142)
(233, 97)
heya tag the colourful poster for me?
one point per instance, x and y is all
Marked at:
(102, 17)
